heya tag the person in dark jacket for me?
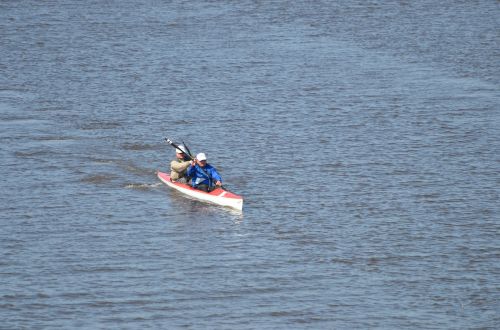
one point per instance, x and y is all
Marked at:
(203, 175)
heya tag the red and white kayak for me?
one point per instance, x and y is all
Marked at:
(217, 196)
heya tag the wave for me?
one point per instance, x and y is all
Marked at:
(98, 178)
(142, 186)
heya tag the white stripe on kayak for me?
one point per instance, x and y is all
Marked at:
(222, 194)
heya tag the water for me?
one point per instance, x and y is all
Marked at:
(363, 136)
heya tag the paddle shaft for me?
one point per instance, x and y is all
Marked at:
(187, 149)
(176, 146)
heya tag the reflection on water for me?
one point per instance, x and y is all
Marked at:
(194, 206)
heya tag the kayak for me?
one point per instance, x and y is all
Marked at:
(217, 196)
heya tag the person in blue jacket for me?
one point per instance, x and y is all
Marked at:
(203, 175)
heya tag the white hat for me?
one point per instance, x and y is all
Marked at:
(201, 156)
(179, 151)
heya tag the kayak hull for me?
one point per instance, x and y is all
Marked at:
(218, 196)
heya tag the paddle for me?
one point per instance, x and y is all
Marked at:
(187, 149)
(176, 146)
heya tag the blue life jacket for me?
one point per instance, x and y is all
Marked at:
(199, 177)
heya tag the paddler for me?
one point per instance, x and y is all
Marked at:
(203, 175)
(179, 166)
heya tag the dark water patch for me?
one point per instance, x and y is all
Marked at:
(135, 169)
(75, 295)
(342, 261)
(180, 122)
(17, 94)
(53, 138)
(100, 160)
(32, 154)
(100, 269)
(332, 167)
(139, 146)
(99, 179)
(100, 125)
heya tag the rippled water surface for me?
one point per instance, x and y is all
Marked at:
(363, 135)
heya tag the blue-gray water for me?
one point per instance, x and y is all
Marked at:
(364, 136)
